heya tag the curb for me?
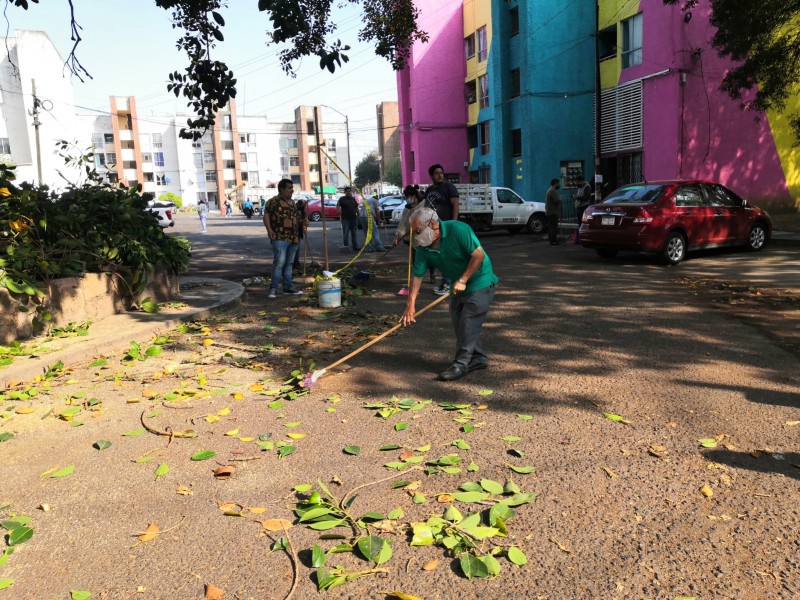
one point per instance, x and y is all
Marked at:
(112, 335)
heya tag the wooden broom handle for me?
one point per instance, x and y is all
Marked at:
(383, 335)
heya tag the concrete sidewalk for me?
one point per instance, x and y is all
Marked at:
(113, 335)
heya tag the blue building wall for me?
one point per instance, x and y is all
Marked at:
(555, 53)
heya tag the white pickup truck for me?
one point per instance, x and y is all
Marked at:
(487, 207)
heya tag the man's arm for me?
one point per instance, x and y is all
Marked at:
(455, 202)
(475, 262)
(267, 225)
(408, 314)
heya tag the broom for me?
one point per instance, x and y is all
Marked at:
(404, 290)
(311, 378)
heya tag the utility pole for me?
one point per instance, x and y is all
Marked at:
(349, 164)
(35, 114)
(321, 187)
(598, 92)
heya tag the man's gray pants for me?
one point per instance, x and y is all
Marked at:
(468, 312)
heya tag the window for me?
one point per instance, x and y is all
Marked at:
(111, 159)
(252, 177)
(485, 174)
(244, 175)
(483, 91)
(471, 91)
(158, 159)
(157, 140)
(505, 196)
(607, 42)
(208, 157)
(109, 138)
(197, 145)
(483, 47)
(310, 127)
(98, 139)
(689, 195)
(5, 146)
(516, 142)
(99, 160)
(230, 184)
(161, 179)
(632, 41)
(226, 121)
(252, 160)
(484, 134)
(331, 145)
(472, 136)
(295, 179)
(211, 175)
(251, 140)
(513, 21)
(230, 164)
(469, 46)
(294, 161)
(198, 160)
(293, 143)
(515, 83)
(413, 162)
(720, 196)
(227, 145)
(147, 157)
(243, 157)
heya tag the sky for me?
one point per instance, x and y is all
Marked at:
(129, 48)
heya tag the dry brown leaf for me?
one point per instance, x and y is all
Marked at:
(792, 423)
(230, 508)
(150, 533)
(44, 507)
(413, 486)
(406, 454)
(148, 393)
(657, 451)
(256, 510)
(225, 472)
(276, 524)
(725, 479)
(213, 592)
(706, 490)
(444, 498)
(482, 407)
(430, 565)
(610, 473)
(184, 490)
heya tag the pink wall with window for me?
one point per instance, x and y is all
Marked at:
(431, 100)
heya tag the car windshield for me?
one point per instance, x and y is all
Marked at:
(640, 193)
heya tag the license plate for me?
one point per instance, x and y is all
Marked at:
(607, 220)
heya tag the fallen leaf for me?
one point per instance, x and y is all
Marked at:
(232, 433)
(296, 436)
(256, 387)
(276, 524)
(486, 392)
(150, 533)
(430, 565)
(708, 442)
(224, 412)
(706, 490)
(238, 396)
(23, 410)
(184, 490)
(63, 472)
(616, 418)
(207, 342)
(610, 473)
(561, 546)
(256, 510)
(657, 451)
(444, 498)
(482, 407)
(44, 507)
(225, 472)
(401, 595)
(792, 423)
(213, 592)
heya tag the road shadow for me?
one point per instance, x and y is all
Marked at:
(787, 464)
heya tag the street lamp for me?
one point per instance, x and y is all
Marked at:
(347, 133)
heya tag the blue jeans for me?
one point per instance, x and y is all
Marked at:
(375, 243)
(282, 258)
(350, 229)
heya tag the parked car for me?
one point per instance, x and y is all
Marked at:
(315, 214)
(164, 212)
(386, 207)
(671, 217)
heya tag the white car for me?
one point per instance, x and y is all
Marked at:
(164, 212)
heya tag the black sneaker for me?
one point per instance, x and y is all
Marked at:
(442, 290)
(293, 292)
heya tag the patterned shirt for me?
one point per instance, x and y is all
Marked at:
(284, 219)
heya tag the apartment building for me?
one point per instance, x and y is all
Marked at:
(36, 109)
(388, 133)
(241, 157)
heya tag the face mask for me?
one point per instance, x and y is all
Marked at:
(424, 238)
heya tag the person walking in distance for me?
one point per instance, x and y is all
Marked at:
(442, 196)
(453, 248)
(583, 198)
(375, 243)
(202, 212)
(347, 207)
(552, 210)
(283, 221)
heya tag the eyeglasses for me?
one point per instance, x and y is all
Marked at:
(419, 230)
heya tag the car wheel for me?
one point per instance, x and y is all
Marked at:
(674, 249)
(606, 252)
(757, 238)
(537, 224)
(315, 216)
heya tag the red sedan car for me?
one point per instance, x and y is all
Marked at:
(671, 217)
(315, 214)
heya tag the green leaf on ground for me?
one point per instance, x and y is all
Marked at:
(493, 487)
(5, 436)
(389, 447)
(352, 450)
(522, 470)
(318, 557)
(461, 444)
(517, 556)
(19, 535)
(374, 548)
(511, 438)
(708, 442)
(401, 426)
(101, 444)
(525, 417)
(286, 451)
(162, 470)
(80, 595)
(471, 496)
(486, 392)
(135, 432)
(63, 472)
(203, 455)
(5, 582)
(472, 566)
(616, 418)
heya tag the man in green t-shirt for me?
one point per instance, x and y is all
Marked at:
(451, 247)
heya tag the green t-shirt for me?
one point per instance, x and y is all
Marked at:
(456, 245)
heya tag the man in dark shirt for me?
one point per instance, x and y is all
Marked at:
(348, 215)
(442, 196)
(283, 222)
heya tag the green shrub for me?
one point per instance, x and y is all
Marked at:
(171, 197)
(94, 228)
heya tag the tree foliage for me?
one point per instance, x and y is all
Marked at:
(393, 173)
(306, 27)
(368, 170)
(761, 36)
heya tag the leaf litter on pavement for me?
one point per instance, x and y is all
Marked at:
(470, 521)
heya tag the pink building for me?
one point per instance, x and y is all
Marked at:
(433, 112)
